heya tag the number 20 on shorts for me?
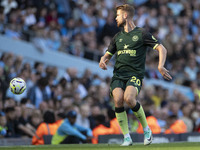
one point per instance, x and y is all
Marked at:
(135, 80)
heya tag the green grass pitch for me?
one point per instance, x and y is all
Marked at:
(166, 146)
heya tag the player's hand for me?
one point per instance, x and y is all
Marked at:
(165, 73)
(102, 63)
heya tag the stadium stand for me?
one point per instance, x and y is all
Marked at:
(58, 43)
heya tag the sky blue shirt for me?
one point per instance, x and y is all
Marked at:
(74, 130)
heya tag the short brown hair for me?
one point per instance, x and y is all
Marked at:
(128, 8)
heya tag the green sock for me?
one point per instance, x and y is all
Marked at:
(123, 121)
(140, 115)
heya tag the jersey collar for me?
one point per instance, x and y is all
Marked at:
(129, 32)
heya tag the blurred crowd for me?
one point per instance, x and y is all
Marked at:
(84, 28)
(88, 95)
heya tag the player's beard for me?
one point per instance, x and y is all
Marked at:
(121, 24)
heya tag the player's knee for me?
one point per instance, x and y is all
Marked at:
(118, 102)
(130, 100)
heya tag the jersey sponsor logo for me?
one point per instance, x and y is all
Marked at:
(135, 38)
(128, 51)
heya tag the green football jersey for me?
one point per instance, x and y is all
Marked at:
(130, 49)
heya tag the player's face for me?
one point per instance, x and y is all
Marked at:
(120, 19)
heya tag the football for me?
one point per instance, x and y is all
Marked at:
(17, 85)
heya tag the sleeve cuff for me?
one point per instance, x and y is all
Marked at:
(109, 53)
(155, 46)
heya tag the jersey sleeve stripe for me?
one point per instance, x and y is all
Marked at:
(155, 46)
(109, 53)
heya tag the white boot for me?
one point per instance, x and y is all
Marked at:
(127, 142)
(148, 137)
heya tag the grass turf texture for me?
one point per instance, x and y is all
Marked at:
(163, 146)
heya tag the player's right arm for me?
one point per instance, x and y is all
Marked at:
(104, 60)
(108, 55)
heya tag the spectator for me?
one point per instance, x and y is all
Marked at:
(3, 84)
(175, 126)
(95, 111)
(53, 42)
(89, 21)
(41, 18)
(70, 74)
(87, 78)
(48, 127)
(66, 104)
(24, 125)
(40, 41)
(110, 27)
(40, 92)
(100, 129)
(82, 118)
(36, 118)
(43, 107)
(12, 123)
(3, 122)
(77, 87)
(69, 132)
(30, 18)
(187, 109)
(174, 108)
(2, 21)
(191, 70)
(161, 116)
(39, 68)
(60, 118)
(176, 7)
(8, 5)
(9, 102)
(13, 32)
(52, 16)
(196, 115)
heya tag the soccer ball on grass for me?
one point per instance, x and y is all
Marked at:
(17, 85)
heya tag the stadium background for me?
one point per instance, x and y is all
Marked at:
(40, 38)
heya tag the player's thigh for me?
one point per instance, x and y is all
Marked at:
(136, 83)
(117, 83)
(133, 87)
(117, 91)
(118, 96)
(130, 95)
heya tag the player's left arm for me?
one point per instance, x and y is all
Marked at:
(162, 58)
(150, 40)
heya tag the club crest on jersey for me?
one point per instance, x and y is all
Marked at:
(135, 38)
(120, 40)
